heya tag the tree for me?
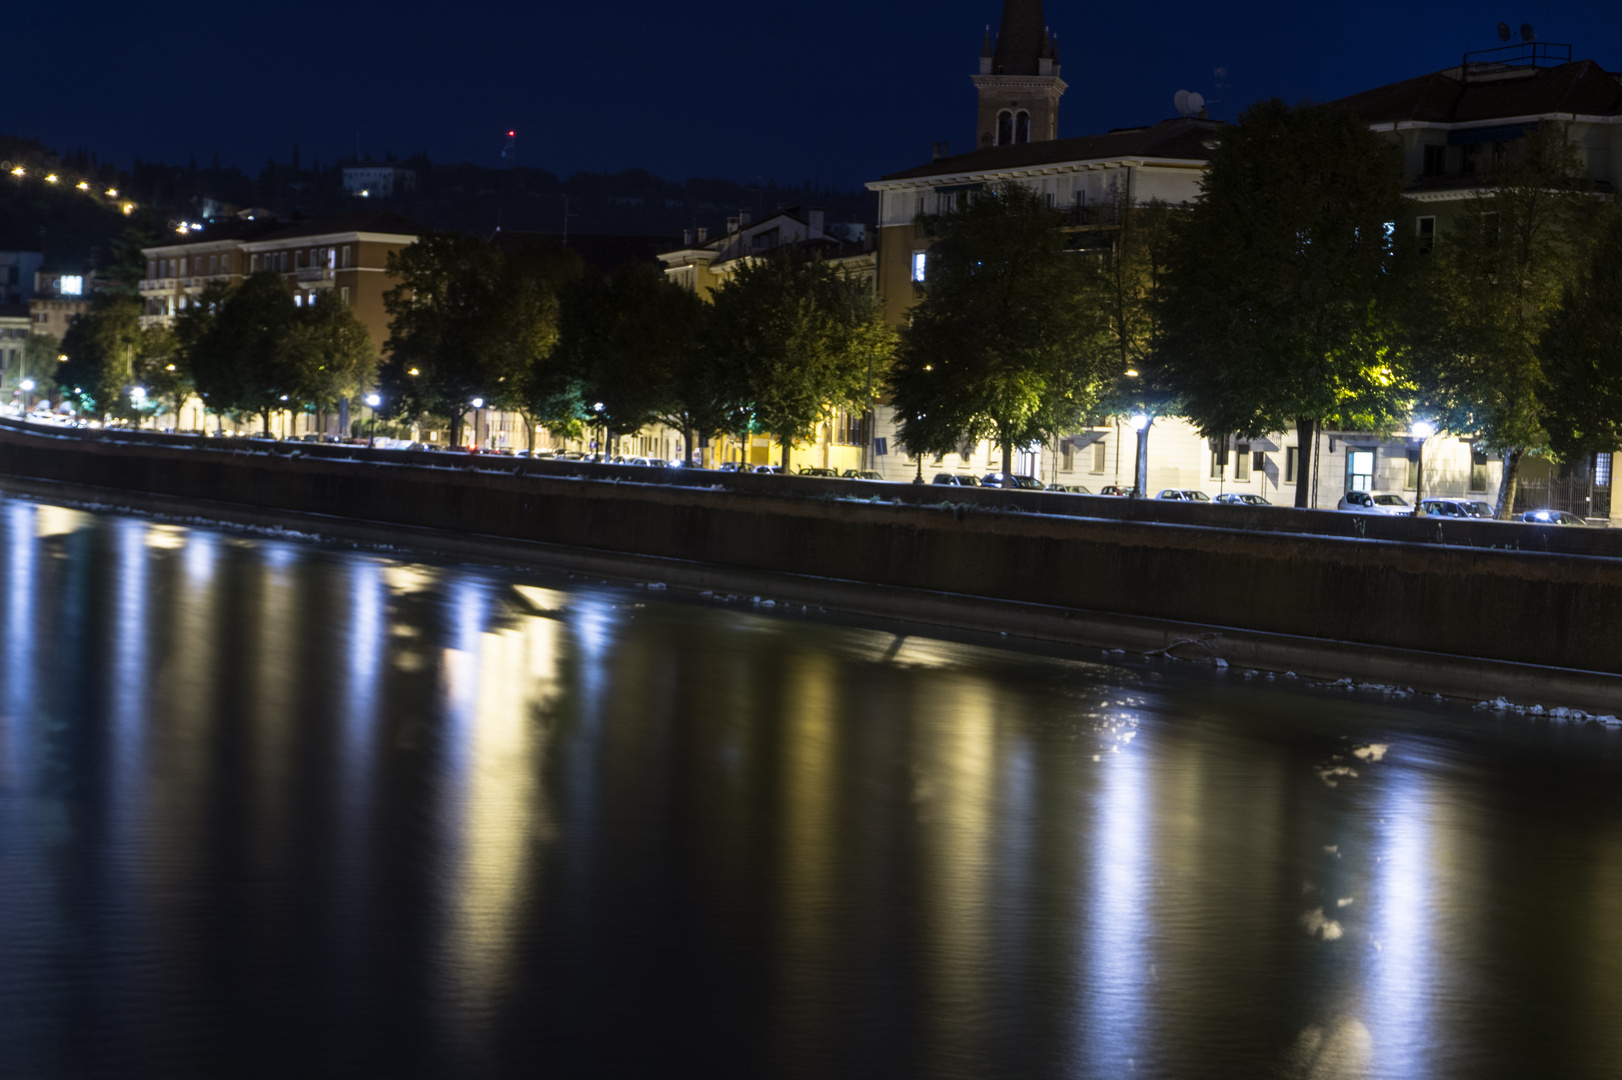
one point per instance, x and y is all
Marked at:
(102, 347)
(1581, 353)
(328, 352)
(1129, 281)
(160, 370)
(1007, 343)
(630, 340)
(1488, 290)
(1282, 278)
(793, 336)
(467, 321)
(238, 353)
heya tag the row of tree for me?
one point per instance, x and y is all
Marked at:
(1285, 297)
(526, 329)
(246, 353)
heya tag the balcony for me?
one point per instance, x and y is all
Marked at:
(314, 277)
(157, 285)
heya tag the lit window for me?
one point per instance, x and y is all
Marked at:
(919, 258)
(1292, 463)
(71, 285)
(1360, 470)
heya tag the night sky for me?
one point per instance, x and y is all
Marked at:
(838, 93)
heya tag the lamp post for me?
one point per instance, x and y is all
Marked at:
(27, 387)
(1140, 480)
(1421, 430)
(372, 402)
(602, 436)
(477, 403)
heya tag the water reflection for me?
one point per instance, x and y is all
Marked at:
(265, 804)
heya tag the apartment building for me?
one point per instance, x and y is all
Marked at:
(344, 253)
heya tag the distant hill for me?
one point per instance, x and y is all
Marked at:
(81, 227)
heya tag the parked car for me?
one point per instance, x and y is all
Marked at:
(768, 470)
(862, 474)
(1374, 502)
(952, 479)
(1184, 495)
(1552, 517)
(647, 462)
(817, 470)
(1115, 491)
(1240, 498)
(734, 466)
(1070, 489)
(1458, 508)
(1002, 480)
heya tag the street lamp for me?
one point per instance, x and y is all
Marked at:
(478, 403)
(372, 402)
(27, 387)
(1421, 430)
(138, 399)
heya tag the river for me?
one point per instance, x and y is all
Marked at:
(274, 807)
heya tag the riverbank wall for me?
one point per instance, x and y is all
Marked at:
(1457, 619)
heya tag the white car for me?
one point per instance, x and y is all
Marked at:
(1184, 495)
(1374, 502)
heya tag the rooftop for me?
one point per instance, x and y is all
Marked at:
(1488, 91)
(1187, 138)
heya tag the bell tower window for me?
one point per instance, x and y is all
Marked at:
(1005, 128)
(1022, 127)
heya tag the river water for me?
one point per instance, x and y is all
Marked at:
(276, 808)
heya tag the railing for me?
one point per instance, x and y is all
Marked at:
(1526, 54)
(314, 275)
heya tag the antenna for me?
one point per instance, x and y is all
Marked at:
(1503, 31)
(1527, 34)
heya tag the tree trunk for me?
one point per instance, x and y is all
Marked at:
(264, 416)
(786, 449)
(1007, 461)
(456, 429)
(688, 437)
(1140, 466)
(1306, 439)
(1509, 482)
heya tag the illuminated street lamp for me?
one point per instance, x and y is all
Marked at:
(138, 399)
(478, 403)
(1421, 430)
(27, 387)
(372, 402)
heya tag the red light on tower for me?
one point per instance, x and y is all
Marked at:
(512, 134)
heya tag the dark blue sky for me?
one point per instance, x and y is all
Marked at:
(839, 92)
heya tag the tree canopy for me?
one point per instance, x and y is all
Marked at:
(792, 336)
(1006, 343)
(1283, 276)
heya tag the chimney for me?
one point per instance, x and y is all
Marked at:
(744, 217)
(814, 219)
(687, 237)
(732, 224)
(940, 150)
(703, 233)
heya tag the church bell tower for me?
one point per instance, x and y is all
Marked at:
(1019, 80)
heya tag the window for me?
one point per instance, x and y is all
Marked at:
(346, 255)
(1098, 456)
(1478, 470)
(1426, 228)
(1022, 127)
(1467, 160)
(1005, 128)
(253, 264)
(1292, 463)
(152, 269)
(343, 294)
(1241, 461)
(920, 210)
(1412, 479)
(1359, 470)
(182, 267)
(1219, 457)
(298, 259)
(920, 260)
(1068, 455)
(1435, 161)
(213, 265)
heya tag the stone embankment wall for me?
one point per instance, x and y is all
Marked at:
(1383, 588)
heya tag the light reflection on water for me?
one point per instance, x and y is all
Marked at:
(268, 808)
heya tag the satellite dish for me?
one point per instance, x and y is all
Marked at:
(1503, 31)
(1180, 99)
(1527, 35)
(1196, 102)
